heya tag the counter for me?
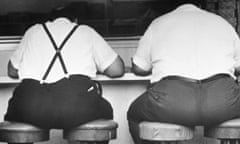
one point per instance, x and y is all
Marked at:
(101, 78)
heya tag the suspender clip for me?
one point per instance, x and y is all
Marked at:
(42, 81)
(66, 75)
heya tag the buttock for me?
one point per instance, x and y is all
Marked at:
(215, 92)
(221, 101)
(175, 100)
(174, 93)
(62, 104)
(218, 92)
(204, 103)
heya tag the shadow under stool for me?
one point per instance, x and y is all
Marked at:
(228, 132)
(95, 132)
(164, 133)
(14, 132)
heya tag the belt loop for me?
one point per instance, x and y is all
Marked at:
(199, 81)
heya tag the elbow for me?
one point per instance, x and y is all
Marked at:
(116, 74)
(117, 69)
(139, 71)
(12, 72)
(237, 71)
(142, 73)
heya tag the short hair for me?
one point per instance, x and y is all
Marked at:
(199, 3)
(62, 12)
(165, 6)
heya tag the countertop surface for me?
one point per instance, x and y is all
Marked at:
(101, 78)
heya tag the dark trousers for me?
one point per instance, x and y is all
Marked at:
(176, 100)
(61, 105)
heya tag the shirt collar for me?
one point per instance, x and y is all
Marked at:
(187, 7)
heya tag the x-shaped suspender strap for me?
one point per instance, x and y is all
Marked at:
(58, 50)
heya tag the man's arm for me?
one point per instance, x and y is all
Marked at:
(141, 61)
(116, 69)
(139, 71)
(12, 71)
(17, 56)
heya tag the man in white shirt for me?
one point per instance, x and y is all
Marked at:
(192, 55)
(56, 62)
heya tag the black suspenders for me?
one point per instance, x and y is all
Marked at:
(58, 51)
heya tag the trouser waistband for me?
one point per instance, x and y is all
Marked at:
(211, 78)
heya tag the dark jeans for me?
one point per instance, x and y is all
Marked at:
(61, 105)
(190, 103)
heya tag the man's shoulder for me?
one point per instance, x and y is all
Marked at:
(85, 27)
(33, 29)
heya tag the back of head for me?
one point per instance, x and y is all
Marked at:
(161, 7)
(63, 11)
(195, 2)
(198, 3)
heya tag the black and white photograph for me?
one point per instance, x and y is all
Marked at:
(119, 71)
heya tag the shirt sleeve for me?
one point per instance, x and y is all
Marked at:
(104, 55)
(142, 57)
(17, 56)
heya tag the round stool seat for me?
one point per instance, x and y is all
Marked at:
(99, 130)
(226, 130)
(231, 123)
(15, 132)
(155, 131)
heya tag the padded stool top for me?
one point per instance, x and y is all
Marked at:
(226, 130)
(155, 131)
(98, 130)
(18, 126)
(231, 123)
(14, 132)
(98, 124)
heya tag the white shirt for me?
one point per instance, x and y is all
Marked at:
(188, 42)
(84, 53)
